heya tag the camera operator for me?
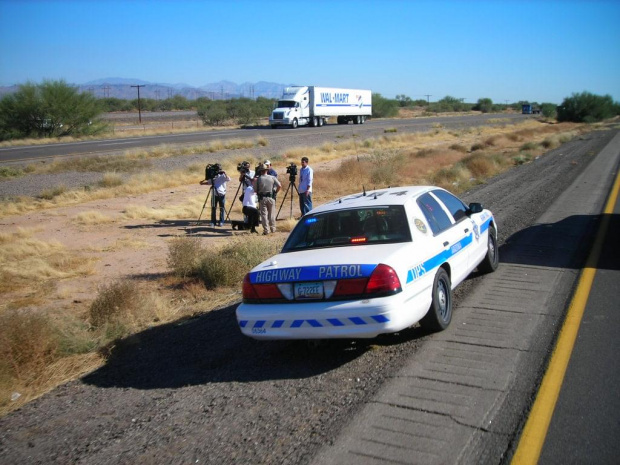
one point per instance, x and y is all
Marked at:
(219, 182)
(265, 186)
(306, 176)
(250, 209)
(246, 175)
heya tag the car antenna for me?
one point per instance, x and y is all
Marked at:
(364, 189)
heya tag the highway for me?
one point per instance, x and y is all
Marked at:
(372, 127)
(198, 391)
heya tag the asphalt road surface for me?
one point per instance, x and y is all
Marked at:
(198, 391)
(370, 128)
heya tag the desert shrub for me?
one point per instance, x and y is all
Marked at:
(229, 265)
(383, 107)
(113, 304)
(49, 194)
(184, 255)
(425, 153)
(587, 108)
(528, 146)
(452, 177)
(10, 172)
(389, 130)
(28, 343)
(485, 105)
(549, 110)
(111, 180)
(458, 148)
(477, 146)
(522, 158)
(550, 142)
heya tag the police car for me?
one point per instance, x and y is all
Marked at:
(370, 263)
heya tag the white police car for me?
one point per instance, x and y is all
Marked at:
(368, 264)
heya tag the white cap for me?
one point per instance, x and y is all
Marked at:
(266, 162)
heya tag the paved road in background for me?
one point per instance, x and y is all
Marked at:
(373, 127)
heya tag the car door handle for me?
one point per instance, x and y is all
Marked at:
(466, 230)
(446, 244)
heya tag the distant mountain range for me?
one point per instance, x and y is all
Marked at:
(121, 88)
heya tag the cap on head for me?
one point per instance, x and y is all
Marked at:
(267, 162)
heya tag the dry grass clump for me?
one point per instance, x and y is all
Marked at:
(184, 254)
(189, 209)
(26, 261)
(111, 180)
(92, 218)
(53, 192)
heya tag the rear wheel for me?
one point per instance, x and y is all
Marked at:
(440, 313)
(321, 122)
(491, 259)
(315, 122)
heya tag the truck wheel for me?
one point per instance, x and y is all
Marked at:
(273, 126)
(341, 120)
(295, 124)
(363, 120)
(356, 120)
(321, 122)
(314, 122)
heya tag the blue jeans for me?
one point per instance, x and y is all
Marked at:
(305, 203)
(215, 201)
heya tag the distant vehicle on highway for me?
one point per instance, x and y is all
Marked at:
(370, 263)
(529, 110)
(311, 105)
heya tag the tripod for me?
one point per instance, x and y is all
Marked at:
(291, 183)
(205, 204)
(242, 183)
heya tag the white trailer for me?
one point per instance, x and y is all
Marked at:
(311, 105)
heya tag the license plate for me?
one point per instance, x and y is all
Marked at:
(307, 291)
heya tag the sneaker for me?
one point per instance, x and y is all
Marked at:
(221, 223)
(212, 225)
(265, 233)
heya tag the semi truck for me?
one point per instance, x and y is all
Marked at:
(313, 106)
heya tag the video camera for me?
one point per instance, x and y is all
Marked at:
(292, 171)
(212, 170)
(244, 167)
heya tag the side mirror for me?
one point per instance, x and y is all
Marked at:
(474, 207)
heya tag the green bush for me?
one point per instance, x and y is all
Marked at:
(587, 108)
(485, 105)
(383, 107)
(50, 109)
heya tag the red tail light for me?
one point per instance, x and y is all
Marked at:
(256, 292)
(383, 280)
(248, 290)
(352, 287)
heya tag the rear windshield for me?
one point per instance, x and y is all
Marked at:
(378, 225)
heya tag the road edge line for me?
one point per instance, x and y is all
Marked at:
(535, 431)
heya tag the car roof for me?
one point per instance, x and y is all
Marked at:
(383, 197)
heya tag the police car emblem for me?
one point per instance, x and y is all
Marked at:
(476, 232)
(420, 225)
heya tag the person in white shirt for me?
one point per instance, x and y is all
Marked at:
(219, 195)
(250, 209)
(306, 176)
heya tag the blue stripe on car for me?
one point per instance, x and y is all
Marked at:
(439, 259)
(335, 322)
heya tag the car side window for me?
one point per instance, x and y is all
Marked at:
(435, 215)
(456, 207)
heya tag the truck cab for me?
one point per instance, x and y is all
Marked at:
(293, 108)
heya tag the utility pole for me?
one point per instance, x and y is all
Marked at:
(106, 91)
(428, 98)
(139, 109)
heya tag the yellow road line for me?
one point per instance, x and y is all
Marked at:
(535, 431)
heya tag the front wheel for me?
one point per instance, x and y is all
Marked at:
(440, 313)
(491, 259)
(295, 124)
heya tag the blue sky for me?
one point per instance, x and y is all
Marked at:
(505, 50)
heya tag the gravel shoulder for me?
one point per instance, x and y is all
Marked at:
(197, 391)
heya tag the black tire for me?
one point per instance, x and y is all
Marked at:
(440, 313)
(295, 124)
(273, 126)
(315, 122)
(363, 120)
(490, 262)
(321, 122)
